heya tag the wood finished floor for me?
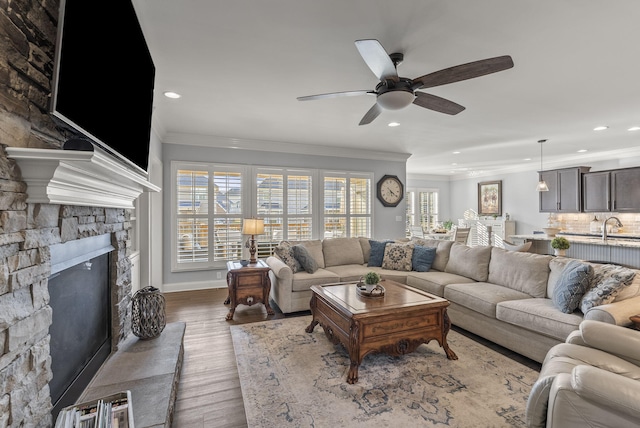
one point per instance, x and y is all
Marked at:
(209, 392)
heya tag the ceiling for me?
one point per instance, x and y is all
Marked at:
(240, 66)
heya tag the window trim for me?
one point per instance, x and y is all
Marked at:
(249, 202)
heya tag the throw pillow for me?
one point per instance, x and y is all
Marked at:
(572, 285)
(377, 252)
(305, 259)
(608, 281)
(397, 257)
(422, 258)
(284, 252)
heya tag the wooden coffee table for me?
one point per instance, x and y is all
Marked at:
(396, 324)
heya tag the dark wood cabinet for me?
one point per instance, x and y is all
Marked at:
(625, 185)
(565, 190)
(596, 192)
(615, 190)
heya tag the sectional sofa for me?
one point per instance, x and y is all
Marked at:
(504, 296)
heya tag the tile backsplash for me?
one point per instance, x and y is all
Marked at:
(581, 222)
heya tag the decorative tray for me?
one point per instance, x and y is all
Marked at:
(377, 291)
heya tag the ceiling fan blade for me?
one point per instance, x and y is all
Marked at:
(377, 59)
(371, 114)
(433, 102)
(463, 72)
(335, 95)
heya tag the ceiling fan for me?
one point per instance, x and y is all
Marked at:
(394, 92)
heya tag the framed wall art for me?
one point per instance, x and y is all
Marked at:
(490, 198)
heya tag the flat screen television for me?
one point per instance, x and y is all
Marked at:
(103, 79)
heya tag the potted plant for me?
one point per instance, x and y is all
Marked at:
(560, 245)
(448, 224)
(371, 279)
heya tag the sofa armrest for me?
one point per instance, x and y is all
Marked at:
(615, 313)
(575, 338)
(279, 268)
(615, 392)
(620, 341)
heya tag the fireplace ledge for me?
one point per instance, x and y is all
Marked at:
(84, 178)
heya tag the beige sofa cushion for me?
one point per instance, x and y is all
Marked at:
(539, 315)
(442, 251)
(481, 297)
(302, 281)
(434, 281)
(366, 248)
(342, 251)
(472, 262)
(556, 266)
(525, 272)
(314, 247)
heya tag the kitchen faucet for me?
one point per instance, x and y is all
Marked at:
(604, 226)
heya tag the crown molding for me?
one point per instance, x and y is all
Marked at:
(281, 147)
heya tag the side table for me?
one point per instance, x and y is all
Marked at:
(248, 285)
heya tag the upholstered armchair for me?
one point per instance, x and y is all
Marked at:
(593, 379)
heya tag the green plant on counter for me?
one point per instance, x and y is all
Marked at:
(447, 224)
(560, 243)
(371, 278)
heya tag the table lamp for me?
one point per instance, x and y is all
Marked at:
(253, 226)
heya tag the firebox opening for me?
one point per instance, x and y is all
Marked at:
(79, 290)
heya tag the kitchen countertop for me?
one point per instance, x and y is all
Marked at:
(617, 240)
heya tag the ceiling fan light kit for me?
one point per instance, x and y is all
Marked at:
(395, 100)
(395, 93)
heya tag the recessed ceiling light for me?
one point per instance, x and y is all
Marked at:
(582, 150)
(456, 153)
(394, 124)
(600, 128)
(527, 159)
(634, 128)
(170, 94)
(454, 163)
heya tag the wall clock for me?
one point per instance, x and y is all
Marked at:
(390, 190)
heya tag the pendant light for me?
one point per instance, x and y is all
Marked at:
(542, 185)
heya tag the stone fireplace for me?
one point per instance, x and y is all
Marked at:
(48, 197)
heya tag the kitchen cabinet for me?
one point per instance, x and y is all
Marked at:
(625, 185)
(615, 190)
(596, 192)
(565, 190)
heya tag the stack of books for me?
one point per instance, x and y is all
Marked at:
(113, 411)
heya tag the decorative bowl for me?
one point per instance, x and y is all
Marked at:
(551, 231)
(244, 262)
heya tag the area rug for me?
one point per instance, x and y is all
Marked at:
(290, 378)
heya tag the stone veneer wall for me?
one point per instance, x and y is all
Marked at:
(27, 41)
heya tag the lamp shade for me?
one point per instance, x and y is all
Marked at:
(253, 226)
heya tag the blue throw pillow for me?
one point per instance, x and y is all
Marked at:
(377, 252)
(572, 285)
(423, 258)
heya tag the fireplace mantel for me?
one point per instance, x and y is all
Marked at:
(85, 178)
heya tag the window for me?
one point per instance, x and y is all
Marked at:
(347, 205)
(285, 202)
(422, 209)
(210, 201)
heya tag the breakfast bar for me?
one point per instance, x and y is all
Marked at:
(617, 248)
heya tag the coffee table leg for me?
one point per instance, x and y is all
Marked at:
(352, 376)
(447, 326)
